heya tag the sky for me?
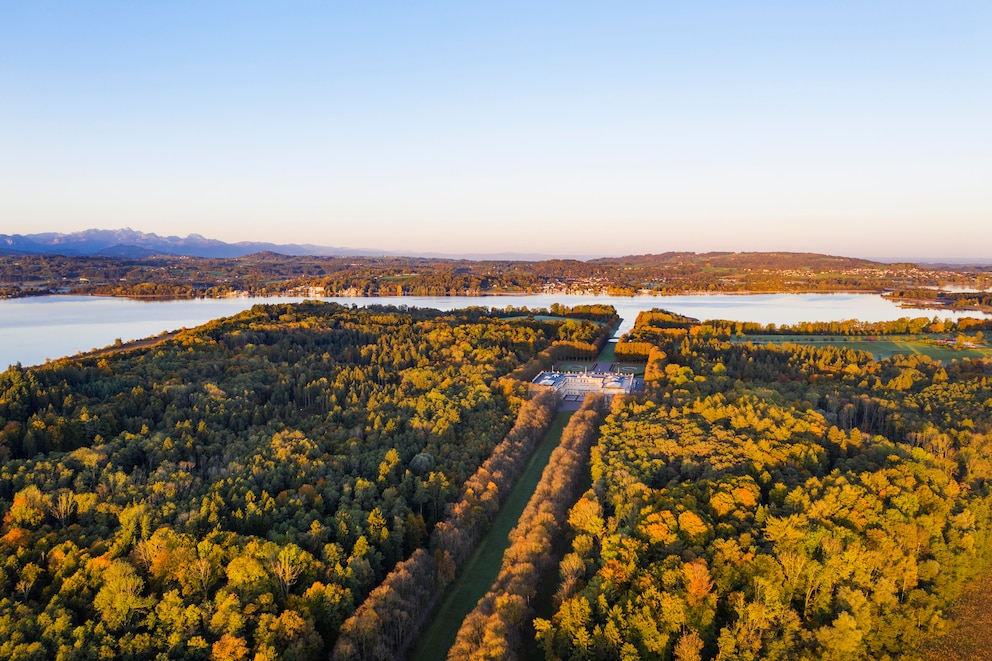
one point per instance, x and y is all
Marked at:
(579, 128)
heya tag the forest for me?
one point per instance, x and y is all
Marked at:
(304, 481)
(238, 490)
(776, 501)
(167, 276)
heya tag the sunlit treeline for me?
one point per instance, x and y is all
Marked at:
(387, 622)
(493, 629)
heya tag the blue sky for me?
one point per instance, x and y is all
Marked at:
(856, 128)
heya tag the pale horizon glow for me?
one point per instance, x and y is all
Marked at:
(859, 129)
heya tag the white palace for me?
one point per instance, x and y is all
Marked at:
(575, 385)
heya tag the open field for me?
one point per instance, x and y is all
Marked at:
(886, 348)
(479, 573)
(881, 348)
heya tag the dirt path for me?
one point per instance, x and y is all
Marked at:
(137, 344)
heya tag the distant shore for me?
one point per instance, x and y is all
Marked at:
(619, 292)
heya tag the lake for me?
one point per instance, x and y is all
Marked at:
(33, 330)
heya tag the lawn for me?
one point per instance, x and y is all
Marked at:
(573, 366)
(609, 353)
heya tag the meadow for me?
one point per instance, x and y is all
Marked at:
(924, 345)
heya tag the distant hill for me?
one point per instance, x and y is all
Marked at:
(126, 251)
(773, 261)
(134, 244)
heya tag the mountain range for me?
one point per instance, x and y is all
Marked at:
(129, 243)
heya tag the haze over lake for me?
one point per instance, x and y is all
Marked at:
(33, 330)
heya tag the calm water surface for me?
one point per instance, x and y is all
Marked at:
(33, 330)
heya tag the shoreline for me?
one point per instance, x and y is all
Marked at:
(469, 294)
(931, 304)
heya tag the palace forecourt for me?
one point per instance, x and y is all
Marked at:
(572, 387)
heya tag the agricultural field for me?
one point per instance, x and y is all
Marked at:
(882, 347)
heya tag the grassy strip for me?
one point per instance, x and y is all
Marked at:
(478, 574)
(608, 354)
(501, 625)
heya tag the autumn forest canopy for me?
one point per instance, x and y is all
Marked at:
(246, 484)
(776, 501)
(305, 482)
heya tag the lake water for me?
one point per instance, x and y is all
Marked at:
(33, 330)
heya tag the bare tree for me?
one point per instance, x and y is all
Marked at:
(287, 568)
(63, 506)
